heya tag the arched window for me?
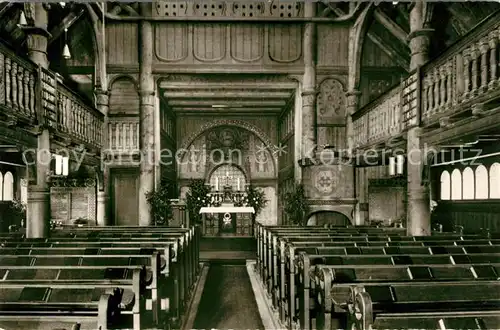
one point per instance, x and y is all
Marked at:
(481, 182)
(228, 174)
(8, 187)
(1, 186)
(495, 180)
(445, 186)
(456, 184)
(468, 183)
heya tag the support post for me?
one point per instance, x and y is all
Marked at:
(147, 122)
(418, 210)
(38, 214)
(309, 92)
(102, 200)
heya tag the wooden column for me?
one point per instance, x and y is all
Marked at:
(38, 213)
(418, 210)
(102, 200)
(308, 115)
(352, 99)
(147, 123)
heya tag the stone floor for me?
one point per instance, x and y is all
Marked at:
(228, 300)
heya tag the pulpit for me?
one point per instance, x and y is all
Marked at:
(228, 212)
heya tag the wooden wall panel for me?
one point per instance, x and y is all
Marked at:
(124, 98)
(333, 45)
(332, 136)
(373, 56)
(247, 42)
(122, 43)
(209, 42)
(472, 215)
(285, 43)
(68, 204)
(171, 42)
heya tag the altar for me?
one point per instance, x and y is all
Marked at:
(228, 211)
(227, 221)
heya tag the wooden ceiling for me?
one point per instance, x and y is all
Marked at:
(235, 97)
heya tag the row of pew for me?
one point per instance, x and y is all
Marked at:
(379, 278)
(98, 278)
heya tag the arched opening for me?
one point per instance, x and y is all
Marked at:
(445, 190)
(331, 218)
(495, 180)
(468, 183)
(481, 182)
(456, 185)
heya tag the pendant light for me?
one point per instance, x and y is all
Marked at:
(66, 53)
(22, 19)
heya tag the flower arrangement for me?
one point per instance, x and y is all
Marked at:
(196, 198)
(296, 206)
(161, 206)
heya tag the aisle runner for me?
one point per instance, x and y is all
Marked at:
(228, 300)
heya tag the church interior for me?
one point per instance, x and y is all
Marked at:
(249, 165)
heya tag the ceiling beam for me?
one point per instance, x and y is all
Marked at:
(230, 85)
(170, 95)
(401, 60)
(229, 103)
(5, 8)
(66, 23)
(391, 26)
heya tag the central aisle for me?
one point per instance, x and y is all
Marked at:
(227, 301)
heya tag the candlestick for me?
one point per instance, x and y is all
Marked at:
(238, 184)
(216, 183)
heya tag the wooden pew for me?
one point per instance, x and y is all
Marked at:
(440, 305)
(306, 266)
(331, 284)
(285, 250)
(102, 299)
(170, 276)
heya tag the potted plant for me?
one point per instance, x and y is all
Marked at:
(161, 206)
(18, 211)
(256, 198)
(196, 198)
(296, 206)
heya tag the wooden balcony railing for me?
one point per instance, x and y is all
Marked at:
(463, 74)
(467, 73)
(123, 134)
(38, 96)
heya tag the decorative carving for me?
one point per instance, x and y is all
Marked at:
(331, 98)
(324, 181)
(377, 87)
(227, 139)
(227, 122)
(225, 78)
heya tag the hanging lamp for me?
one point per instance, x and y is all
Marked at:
(22, 19)
(66, 53)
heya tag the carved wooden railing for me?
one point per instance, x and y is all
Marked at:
(35, 95)
(378, 120)
(467, 73)
(123, 134)
(17, 87)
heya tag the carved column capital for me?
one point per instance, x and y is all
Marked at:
(493, 39)
(309, 97)
(102, 97)
(483, 46)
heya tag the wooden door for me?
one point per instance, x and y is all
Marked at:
(125, 197)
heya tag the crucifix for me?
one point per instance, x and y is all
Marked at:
(228, 178)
